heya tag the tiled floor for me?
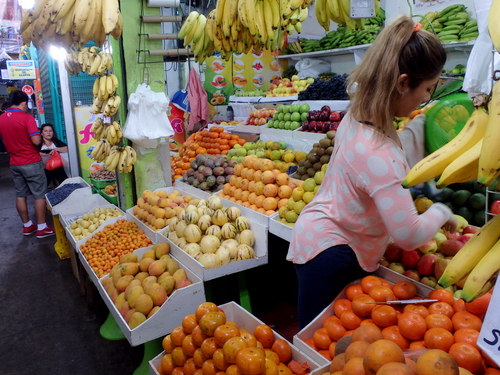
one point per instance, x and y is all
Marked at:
(48, 326)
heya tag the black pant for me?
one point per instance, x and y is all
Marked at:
(322, 278)
(56, 176)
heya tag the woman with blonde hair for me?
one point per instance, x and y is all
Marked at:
(342, 233)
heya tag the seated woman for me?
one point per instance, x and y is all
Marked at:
(49, 145)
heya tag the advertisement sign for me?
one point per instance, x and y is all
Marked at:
(10, 13)
(489, 337)
(85, 141)
(21, 69)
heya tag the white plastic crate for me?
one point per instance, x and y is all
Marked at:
(247, 321)
(75, 196)
(279, 229)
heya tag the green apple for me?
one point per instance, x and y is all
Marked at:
(294, 125)
(308, 196)
(287, 125)
(303, 116)
(297, 194)
(294, 108)
(304, 108)
(309, 184)
(295, 116)
(299, 206)
(287, 116)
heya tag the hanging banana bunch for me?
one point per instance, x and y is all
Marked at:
(71, 22)
(122, 158)
(90, 60)
(338, 11)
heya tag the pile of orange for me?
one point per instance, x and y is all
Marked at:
(214, 142)
(257, 185)
(448, 324)
(208, 344)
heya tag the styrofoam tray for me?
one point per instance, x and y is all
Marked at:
(308, 331)
(247, 321)
(279, 229)
(74, 196)
(260, 248)
(86, 265)
(181, 302)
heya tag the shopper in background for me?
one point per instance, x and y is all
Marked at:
(51, 143)
(22, 140)
(342, 233)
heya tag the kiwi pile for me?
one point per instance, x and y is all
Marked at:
(317, 157)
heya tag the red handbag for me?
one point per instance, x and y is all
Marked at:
(54, 162)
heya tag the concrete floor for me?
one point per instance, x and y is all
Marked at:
(48, 326)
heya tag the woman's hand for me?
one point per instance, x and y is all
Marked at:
(451, 225)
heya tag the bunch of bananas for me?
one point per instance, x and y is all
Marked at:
(478, 259)
(338, 11)
(101, 150)
(109, 107)
(493, 24)
(122, 158)
(241, 25)
(452, 24)
(71, 22)
(472, 154)
(90, 60)
(105, 98)
(111, 132)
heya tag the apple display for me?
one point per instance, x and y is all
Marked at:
(426, 264)
(409, 259)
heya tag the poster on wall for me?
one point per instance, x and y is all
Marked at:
(249, 72)
(10, 13)
(85, 141)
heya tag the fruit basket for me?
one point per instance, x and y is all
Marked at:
(181, 302)
(249, 322)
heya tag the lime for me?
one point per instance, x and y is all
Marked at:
(477, 201)
(461, 197)
(479, 218)
(446, 193)
(465, 213)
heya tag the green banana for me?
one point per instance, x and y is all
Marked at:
(451, 10)
(469, 35)
(471, 253)
(446, 33)
(484, 270)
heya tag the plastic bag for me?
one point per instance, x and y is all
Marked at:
(54, 162)
(311, 67)
(477, 78)
(147, 119)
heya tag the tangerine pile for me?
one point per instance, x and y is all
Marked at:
(257, 185)
(207, 344)
(214, 142)
(449, 325)
(104, 249)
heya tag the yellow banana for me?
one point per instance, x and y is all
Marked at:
(122, 160)
(188, 24)
(110, 13)
(89, 27)
(268, 17)
(61, 9)
(493, 24)
(80, 16)
(276, 18)
(242, 15)
(115, 81)
(117, 31)
(200, 28)
(95, 88)
(227, 18)
(259, 19)
(251, 16)
(95, 65)
(434, 164)
(109, 85)
(96, 150)
(103, 95)
(463, 168)
(471, 253)
(489, 161)
(485, 269)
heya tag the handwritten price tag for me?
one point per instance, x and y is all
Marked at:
(489, 337)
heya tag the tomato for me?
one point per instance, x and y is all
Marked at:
(251, 361)
(283, 349)
(467, 356)
(412, 325)
(264, 334)
(495, 207)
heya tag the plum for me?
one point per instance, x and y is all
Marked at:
(207, 171)
(209, 163)
(211, 180)
(204, 186)
(229, 170)
(194, 164)
(221, 180)
(218, 171)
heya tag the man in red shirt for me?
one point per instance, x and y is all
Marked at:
(22, 139)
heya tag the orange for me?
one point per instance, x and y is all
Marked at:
(178, 357)
(436, 362)
(270, 203)
(208, 347)
(283, 349)
(335, 329)
(379, 353)
(441, 308)
(354, 366)
(417, 344)
(350, 320)
(203, 308)
(189, 367)
(412, 325)
(270, 190)
(438, 320)
(468, 335)
(187, 346)
(167, 344)
(251, 361)
(198, 336)
(367, 333)
(224, 332)
(442, 295)
(353, 290)
(394, 334)
(177, 335)
(220, 362)
(284, 191)
(331, 349)
(321, 338)
(404, 290)
(338, 362)
(362, 305)
(268, 177)
(438, 338)
(459, 305)
(368, 282)
(356, 349)
(467, 356)
(382, 293)
(341, 305)
(264, 334)
(464, 319)
(166, 364)
(419, 309)
(384, 316)
(395, 368)
(188, 323)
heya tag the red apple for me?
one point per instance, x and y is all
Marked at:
(440, 266)
(452, 235)
(397, 267)
(429, 247)
(429, 281)
(465, 237)
(451, 246)
(334, 116)
(426, 264)
(495, 207)
(393, 252)
(409, 259)
(470, 229)
(412, 274)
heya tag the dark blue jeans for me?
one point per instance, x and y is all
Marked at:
(322, 278)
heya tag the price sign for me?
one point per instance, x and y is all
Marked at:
(21, 69)
(489, 337)
(27, 89)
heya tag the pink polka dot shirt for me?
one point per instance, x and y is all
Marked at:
(361, 202)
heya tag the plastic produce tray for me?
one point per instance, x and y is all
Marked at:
(70, 180)
(245, 320)
(279, 229)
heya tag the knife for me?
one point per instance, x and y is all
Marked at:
(404, 301)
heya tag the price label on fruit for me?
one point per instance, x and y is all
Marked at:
(489, 337)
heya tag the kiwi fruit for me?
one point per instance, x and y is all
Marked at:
(325, 159)
(329, 150)
(321, 151)
(325, 143)
(301, 163)
(304, 177)
(316, 145)
(331, 134)
(311, 172)
(301, 170)
(312, 158)
(317, 166)
(308, 164)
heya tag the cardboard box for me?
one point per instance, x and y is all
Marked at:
(245, 320)
(260, 248)
(308, 331)
(279, 229)
(180, 303)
